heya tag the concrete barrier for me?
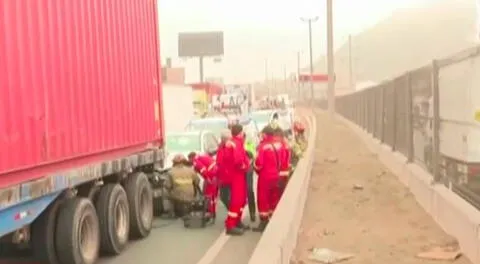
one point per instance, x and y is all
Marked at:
(280, 237)
(456, 216)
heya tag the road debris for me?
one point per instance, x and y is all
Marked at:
(382, 223)
(441, 253)
(328, 256)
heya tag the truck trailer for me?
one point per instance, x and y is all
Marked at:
(81, 126)
(459, 112)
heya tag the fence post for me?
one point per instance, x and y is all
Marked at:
(382, 115)
(375, 121)
(394, 121)
(410, 153)
(436, 122)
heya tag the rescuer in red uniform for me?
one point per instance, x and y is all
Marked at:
(206, 166)
(267, 166)
(284, 154)
(231, 173)
(238, 136)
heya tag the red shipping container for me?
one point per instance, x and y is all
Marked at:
(79, 82)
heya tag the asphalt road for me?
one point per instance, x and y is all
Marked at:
(169, 243)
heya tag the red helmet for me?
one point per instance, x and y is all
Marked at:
(298, 126)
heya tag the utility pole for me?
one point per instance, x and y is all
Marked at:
(298, 75)
(350, 64)
(311, 57)
(330, 58)
(266, 78)
(310, 45)
(200, 61)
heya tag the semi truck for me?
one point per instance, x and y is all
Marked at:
(81, 126)
(459, 111)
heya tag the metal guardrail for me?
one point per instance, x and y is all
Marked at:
(413, 115)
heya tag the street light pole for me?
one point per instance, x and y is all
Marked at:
(266, 78)
(330, 58)
(310, 44)
(298, 75)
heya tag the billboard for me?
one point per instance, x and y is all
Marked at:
(196, 44)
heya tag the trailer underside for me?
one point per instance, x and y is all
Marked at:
(22, 202)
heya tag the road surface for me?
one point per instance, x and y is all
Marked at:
(169, 243)
(356, 205)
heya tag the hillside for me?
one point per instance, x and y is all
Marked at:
(406, 40)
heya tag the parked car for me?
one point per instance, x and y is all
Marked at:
(216, 124)
(200, 141)
(265, 117)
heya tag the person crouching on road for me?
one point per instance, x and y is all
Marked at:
(238, 136)
(267, 167)
(181, 183)
(231, 180)
(206, 166)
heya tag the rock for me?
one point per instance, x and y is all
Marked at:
(331, 160)
(357, 187)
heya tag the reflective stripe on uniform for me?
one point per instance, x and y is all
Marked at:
(182, 181)
(202, 170)
(211, 166)
(264, 213)
(232, 214)
(268, 147)
(284, 173)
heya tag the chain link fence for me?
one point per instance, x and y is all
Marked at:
(431, 115)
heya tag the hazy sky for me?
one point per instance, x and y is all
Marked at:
(256, 31)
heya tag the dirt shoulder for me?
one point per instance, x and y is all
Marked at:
(358, 206)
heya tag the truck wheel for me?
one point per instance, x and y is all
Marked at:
(114, 218)
(77, 236)
(140, 202)
(43, 235)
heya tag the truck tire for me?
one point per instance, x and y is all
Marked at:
(114, 218)
(77, 236)
(140, 202)
(43, 235)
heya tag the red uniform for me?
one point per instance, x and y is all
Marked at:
(267, 166)
(232, 166)
(207, 167)
(240, 180)
(284, 155)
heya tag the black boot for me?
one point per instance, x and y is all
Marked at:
(261, 227)
(235, 231)
(243, 226)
